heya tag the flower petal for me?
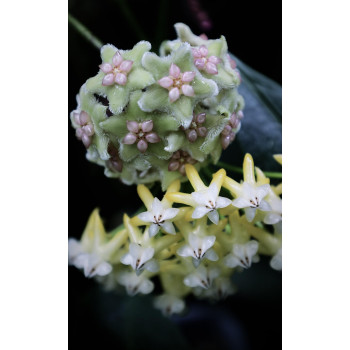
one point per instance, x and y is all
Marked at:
(170, 213)
(120, 79)
(146, 286)
(214, 216)
(126, 66)
(168, 227)
(146, 216)
(262, 191)
(108, 79)
(208, 242)
(250, 214)
(152, 266)
(241, 202)
(165, 82)
(199, 212)
(188, 76)
(272, 218)
(264, 206)
(223, 202)
(106, 68)
(251, 248)
(211, 255)
(174, 94)
(185, 251)
(153, 230)
(132, 126)
(147, 126)
(174, 71)
(102, 269)
(129, 139)
(117, 59)
(187, 90)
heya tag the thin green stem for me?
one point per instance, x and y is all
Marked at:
(134, 24)
(237, 169)
(83, 31)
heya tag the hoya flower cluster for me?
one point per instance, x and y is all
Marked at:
(187, 242)
(144, 117)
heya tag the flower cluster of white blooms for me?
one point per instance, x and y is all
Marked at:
(187, 242)
(144, 116)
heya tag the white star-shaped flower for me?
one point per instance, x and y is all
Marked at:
(198, 248)
(208, 201)
(276, 261)
(140, 258)
(135, 284)
(275, 215)
(251, 199)
(243, 255)
(169, 304)
(202, 277)
(91, 263)
(160, 216)
(222, 287)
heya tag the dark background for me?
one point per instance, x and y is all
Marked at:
(252, 318)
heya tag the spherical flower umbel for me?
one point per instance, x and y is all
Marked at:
(203, 62)
(117, 71)
(159, 111)
(85, 131)
(141, 134)
(177, 83)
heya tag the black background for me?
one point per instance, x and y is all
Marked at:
(253, 31)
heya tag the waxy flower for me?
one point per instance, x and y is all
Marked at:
(177, 83)
(230, 130)
(198, 248)
(85, 131)
(203, 62)
(94, 251)
(210, 56)
(202, 277)
(141, 134)
(169, 304)
(120, 73)
(180, 85)
(249, 195)
(159, 216)
(275, 215)
(91, 263)
(135, 284)
(251, 199)
(159, 213)
(116, 71)
(243, 255)
(196, 128)
(138, 131)
(178, 161)
(221, 288)
(140, 258)
(205, 200)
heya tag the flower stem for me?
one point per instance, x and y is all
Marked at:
(236, 169)
(83, 31)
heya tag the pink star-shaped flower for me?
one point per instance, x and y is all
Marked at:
(85, 131)
(140, 133)
(117, 71)
(203, 62)
(177, 83)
